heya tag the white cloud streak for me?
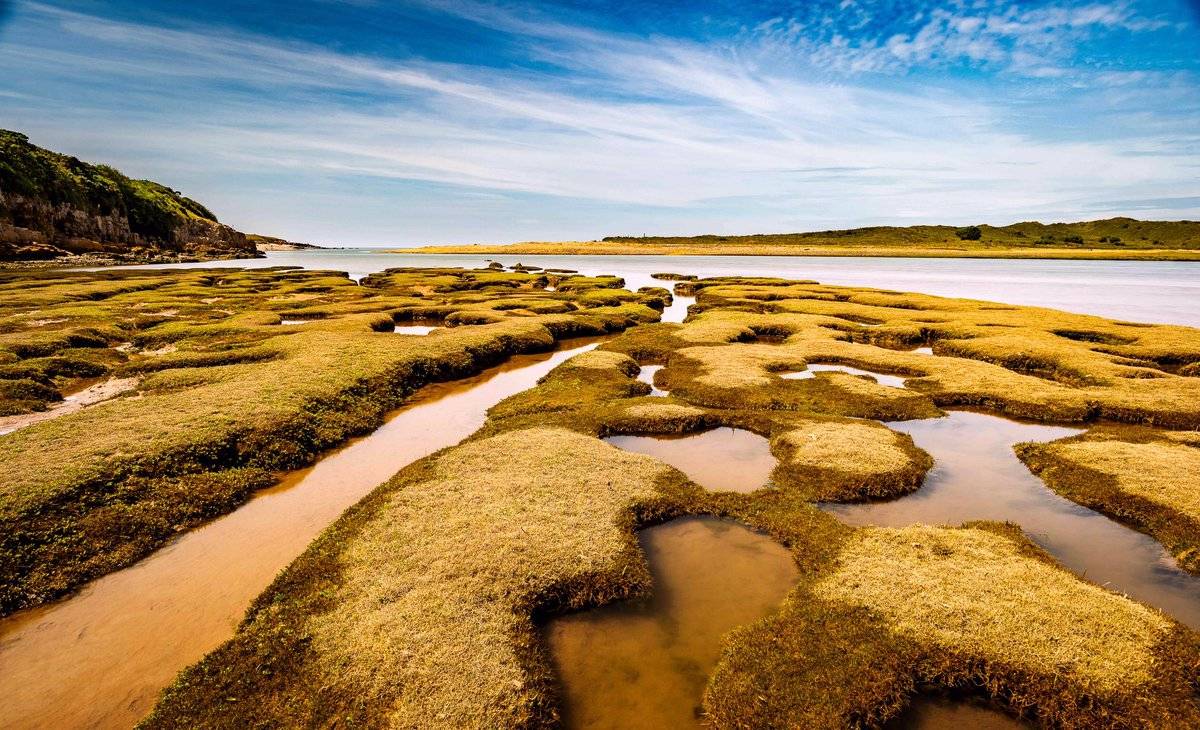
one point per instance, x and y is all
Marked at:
(661, 123)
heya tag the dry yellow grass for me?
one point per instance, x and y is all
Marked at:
(1164, 473)
(976, 609)
(1144, 477)
(435, 581)
(228, 387)
(416, 608)
(663, 411)
(974, 593)
(861, 458)
(1024, 361)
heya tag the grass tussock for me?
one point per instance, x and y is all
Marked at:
(977, 609)
(415, 611)
(851, 460)
(1144, 477)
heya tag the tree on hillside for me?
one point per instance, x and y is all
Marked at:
(970, 233)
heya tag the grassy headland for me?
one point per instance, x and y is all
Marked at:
(53, 206)
(1114, 238)
(419, 607)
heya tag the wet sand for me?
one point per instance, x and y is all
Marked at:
(71, 403)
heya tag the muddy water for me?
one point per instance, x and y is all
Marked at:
(646, 375)
(937, 713)
(644, 664)
(976, 476)
(99, 658)
(892, 381)
(723, 459)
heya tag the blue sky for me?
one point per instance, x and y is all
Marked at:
(366, 122)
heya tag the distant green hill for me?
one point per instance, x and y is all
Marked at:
(1109, 233)
(53, 205)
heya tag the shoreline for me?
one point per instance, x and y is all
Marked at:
(567, 249)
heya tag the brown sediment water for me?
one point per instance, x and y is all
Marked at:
(976, 476)
(941, 713)
(810, 371)
(99, 658)
(91, 394)
(722, 459)
(646, 375)
(644, 663)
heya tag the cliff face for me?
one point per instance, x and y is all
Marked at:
(52, 205)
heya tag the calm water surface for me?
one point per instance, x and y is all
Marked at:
(722, 459)
(644, 664)
(1139, 291)
(976, 476)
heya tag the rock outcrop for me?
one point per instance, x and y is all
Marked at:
(53, 206)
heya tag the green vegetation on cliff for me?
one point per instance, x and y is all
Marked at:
(52, 204)
(29, 170)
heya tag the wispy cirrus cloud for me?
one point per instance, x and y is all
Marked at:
(770, 126)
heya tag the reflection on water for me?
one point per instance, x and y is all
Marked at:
(678, 310)
(644, 664)
(646, 375)
(413, 329)
(976, 476)
(100, 658)
(723, 459)
(892, 381)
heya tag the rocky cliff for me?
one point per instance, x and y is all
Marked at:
(54, 206)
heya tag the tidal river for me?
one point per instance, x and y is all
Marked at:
(100, 657)
(1137, 291)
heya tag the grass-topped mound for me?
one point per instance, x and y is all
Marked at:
(1146, 477)
(415, 610)
(977, 609)
(224, 388)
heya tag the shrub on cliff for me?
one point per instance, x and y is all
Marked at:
(153, 210)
